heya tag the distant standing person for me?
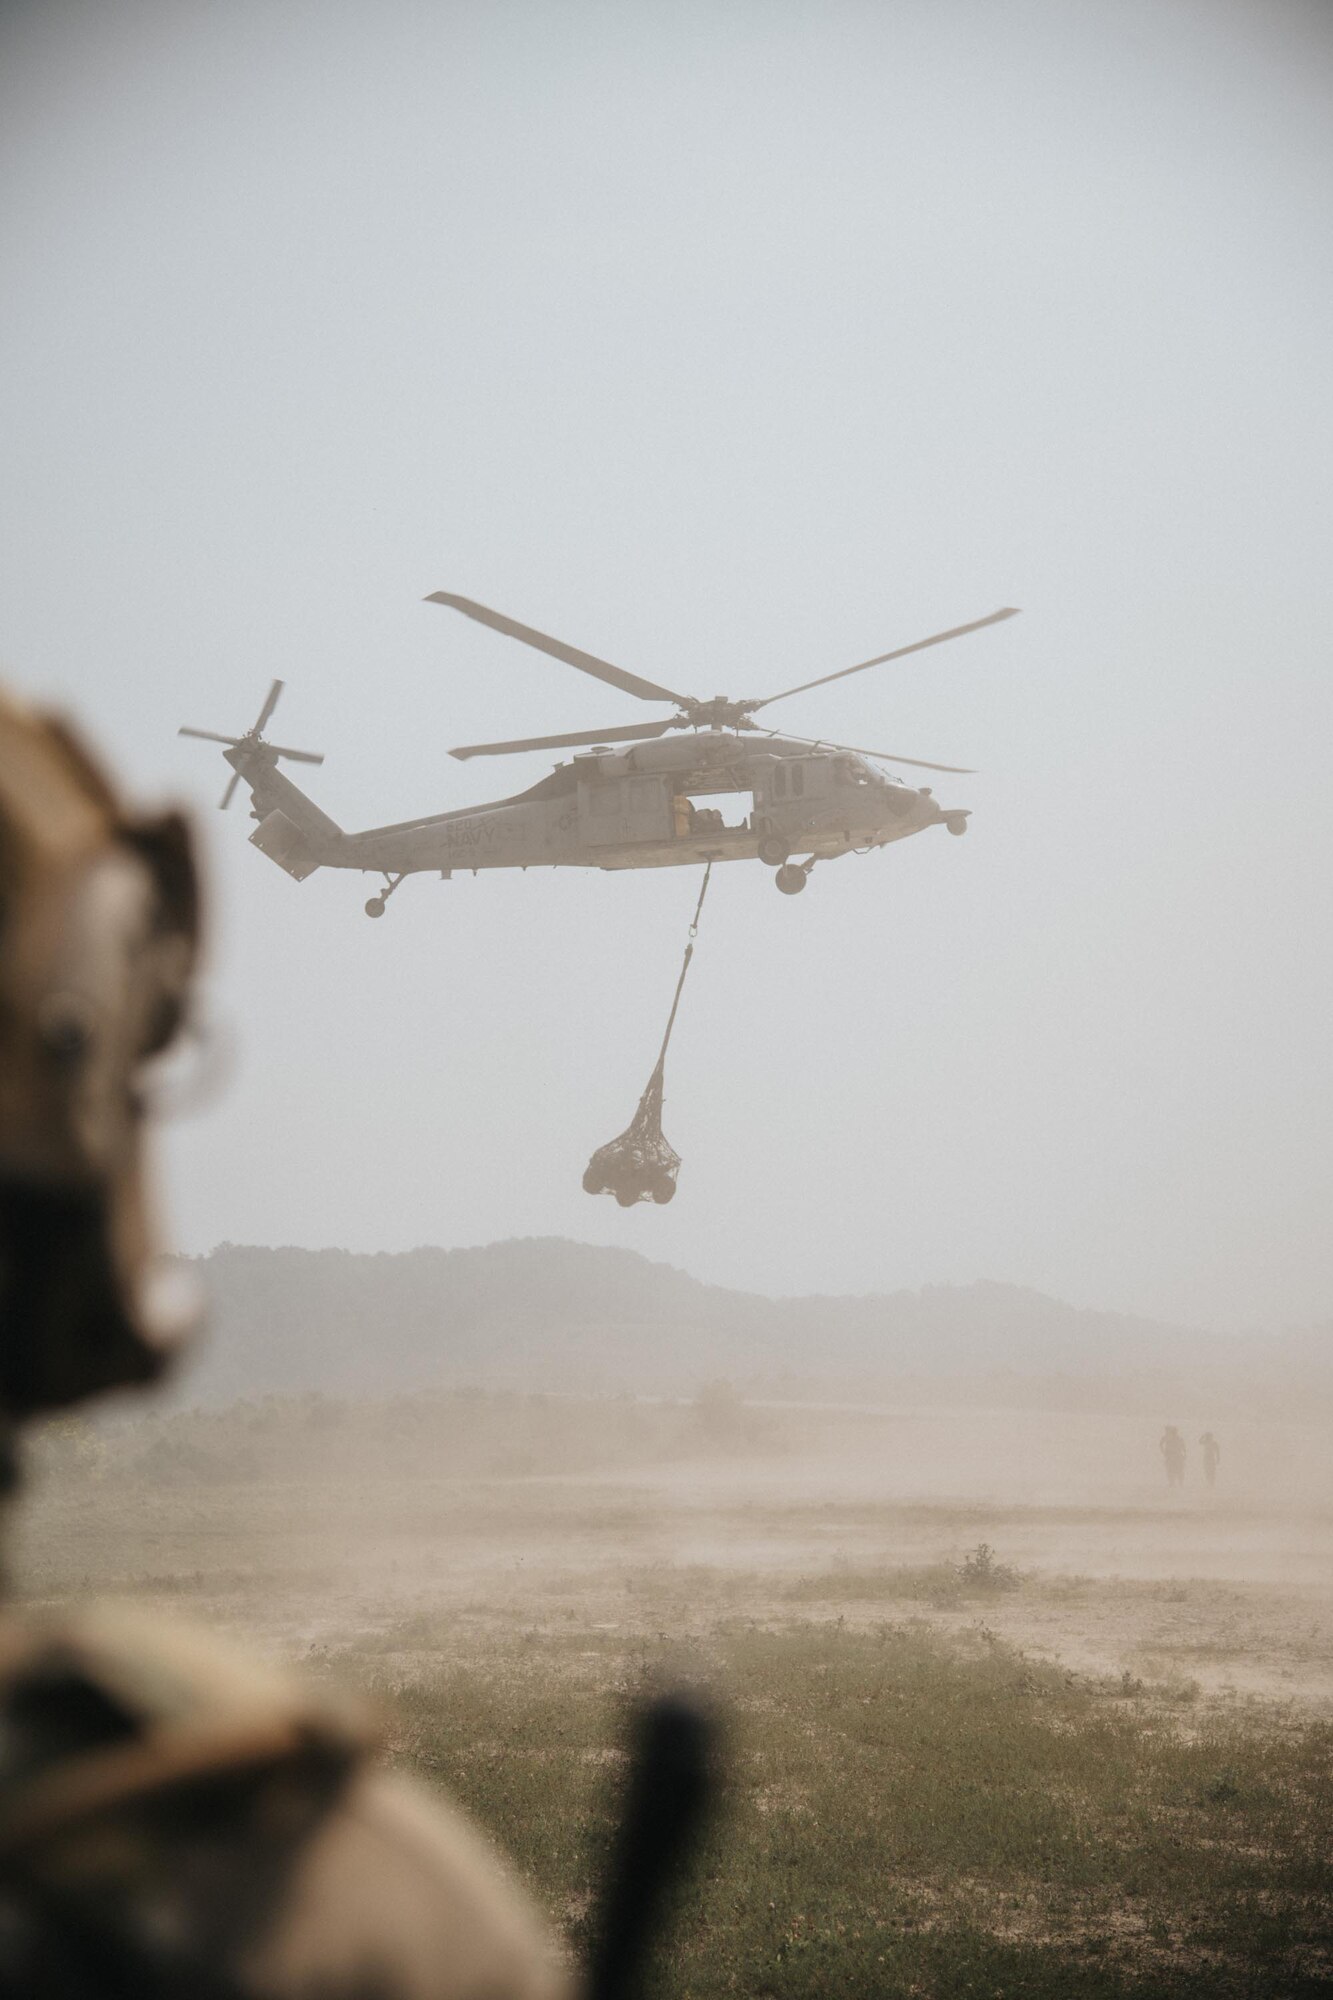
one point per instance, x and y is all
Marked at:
(1212, 1452)
(1173, 1452)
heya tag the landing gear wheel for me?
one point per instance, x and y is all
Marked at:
(773, 851)
(791, 880)
(375, 907)
(625, 1198)
(664, 1190)
(957, 822)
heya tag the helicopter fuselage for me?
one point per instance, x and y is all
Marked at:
(615, 807)
(642, 807)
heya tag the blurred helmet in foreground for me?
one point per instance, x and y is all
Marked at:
(98, 942)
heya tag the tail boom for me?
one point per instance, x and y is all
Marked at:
(292, 830)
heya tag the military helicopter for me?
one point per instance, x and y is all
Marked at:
(637, 807)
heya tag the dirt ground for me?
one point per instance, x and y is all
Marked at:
(834, 1512)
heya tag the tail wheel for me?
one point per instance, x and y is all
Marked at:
(375, 907)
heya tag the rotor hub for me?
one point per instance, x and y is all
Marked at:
(719, 713)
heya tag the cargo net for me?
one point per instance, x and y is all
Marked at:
(641, 1164)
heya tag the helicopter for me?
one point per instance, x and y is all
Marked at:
(610, 807)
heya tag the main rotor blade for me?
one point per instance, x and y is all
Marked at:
(633, 732)
(886, 756)
(587, 663)
(270, 704)
(898, 653)
(296, 756)
(225, 800)
(209, 736)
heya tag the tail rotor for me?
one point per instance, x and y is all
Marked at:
(253, 740)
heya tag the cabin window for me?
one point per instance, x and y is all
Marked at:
(645, 795)
(606, 798)
(779, 784)
(797, 779)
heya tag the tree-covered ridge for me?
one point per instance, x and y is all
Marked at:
(558, 1315)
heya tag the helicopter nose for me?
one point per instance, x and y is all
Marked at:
(930, 805)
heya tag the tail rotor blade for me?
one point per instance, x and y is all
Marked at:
(269, 705)
(253, 745)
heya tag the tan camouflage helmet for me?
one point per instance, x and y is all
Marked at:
(99, 928)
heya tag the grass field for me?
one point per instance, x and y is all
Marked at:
(987, 1743)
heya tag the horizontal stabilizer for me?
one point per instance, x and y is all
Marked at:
(284, 842)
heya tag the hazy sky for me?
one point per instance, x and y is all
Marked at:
(733, 343)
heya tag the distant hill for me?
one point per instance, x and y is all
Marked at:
(549, 1314)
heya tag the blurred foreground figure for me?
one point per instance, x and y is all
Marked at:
(1212, 1452)
(172, 1821)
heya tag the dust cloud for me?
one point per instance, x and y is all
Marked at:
(900, 1607)
(305, 1521)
